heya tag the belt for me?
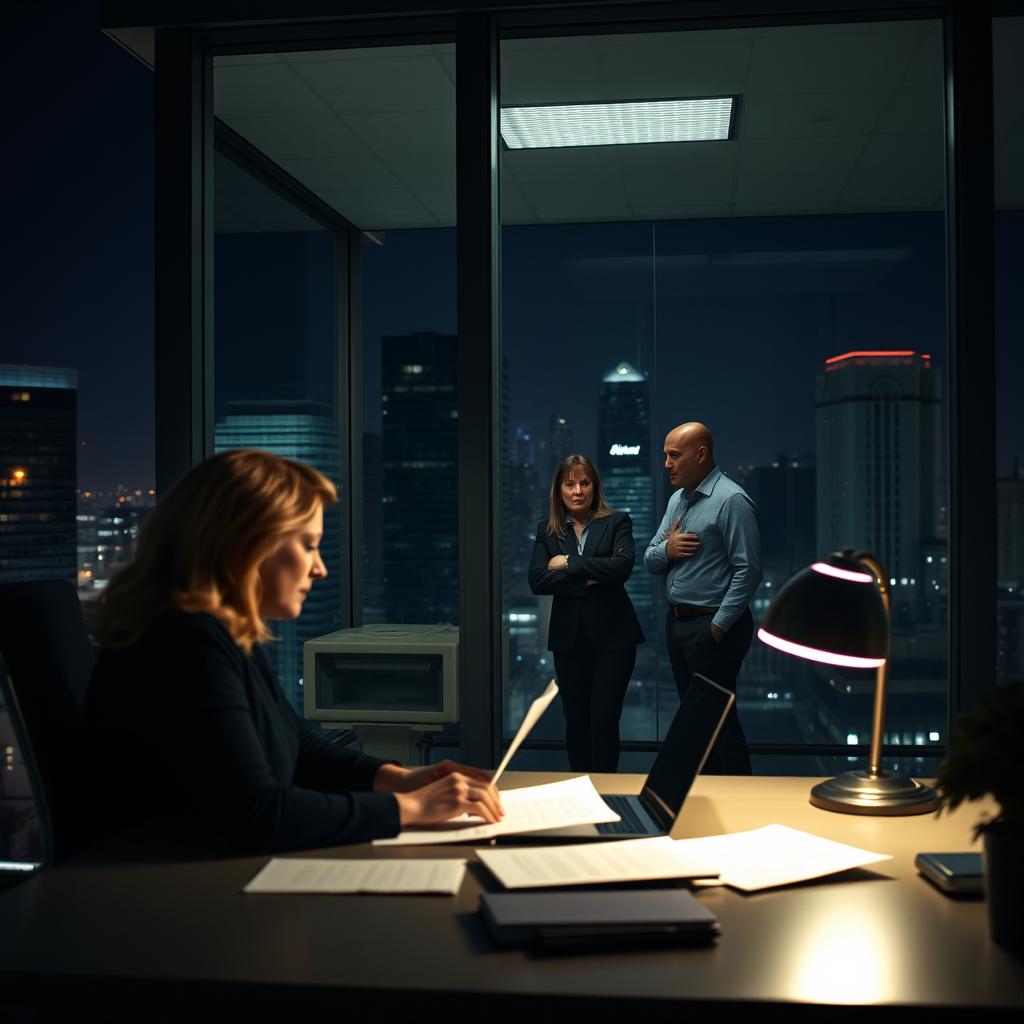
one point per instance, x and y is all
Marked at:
(684, 611)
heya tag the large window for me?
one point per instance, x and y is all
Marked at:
(785, 285)
(336, 277)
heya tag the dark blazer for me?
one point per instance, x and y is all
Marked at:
(196, 734)
(604, 608)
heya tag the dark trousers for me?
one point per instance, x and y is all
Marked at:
(593, 685)
(692, 648)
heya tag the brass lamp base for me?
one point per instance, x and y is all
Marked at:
(879, 793)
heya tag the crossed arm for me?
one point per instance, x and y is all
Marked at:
(568, 574)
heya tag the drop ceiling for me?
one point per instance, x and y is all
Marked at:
(833, 119)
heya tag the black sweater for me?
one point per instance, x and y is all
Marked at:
(193, 732)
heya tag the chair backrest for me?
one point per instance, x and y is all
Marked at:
(49, 659)
(25, 811)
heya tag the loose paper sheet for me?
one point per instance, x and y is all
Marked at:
(286, 874)
(555, 805)
(627, 860)
(774, 855)
(537, 708)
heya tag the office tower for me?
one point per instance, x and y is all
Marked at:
(373, 530)
(308, 432)
(524, 503)
(785, 494)
(1010, 576)
(778, 689)
(560, 444)
(626, 467)
(38, 468)
(879, 490)
(878, 422)
(419, 488)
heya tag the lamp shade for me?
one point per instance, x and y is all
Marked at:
(830, 612)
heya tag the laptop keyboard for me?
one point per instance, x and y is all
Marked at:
(630, 820)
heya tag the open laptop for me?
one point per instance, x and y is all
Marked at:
(690, 738)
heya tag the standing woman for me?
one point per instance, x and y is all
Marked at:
(582, 557)
(194, 732)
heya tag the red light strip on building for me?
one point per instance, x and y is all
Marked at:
(866, 354)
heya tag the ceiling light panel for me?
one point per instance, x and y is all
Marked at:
(617, 124)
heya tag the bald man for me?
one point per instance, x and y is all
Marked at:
(709, 549)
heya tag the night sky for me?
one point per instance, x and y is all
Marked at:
(731, 319)
(78, 290)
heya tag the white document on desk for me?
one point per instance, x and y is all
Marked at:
(529, 809)
(536, 709)
(631, 860)
(288, 874)
(774, 855)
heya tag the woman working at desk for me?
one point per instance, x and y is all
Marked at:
(186, 710)
(583, 555)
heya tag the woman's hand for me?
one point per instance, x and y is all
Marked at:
(392, 778)
(559, 562)
(448, 797)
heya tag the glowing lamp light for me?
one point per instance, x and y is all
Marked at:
(843, 574)
(19, 476)
(836, 612)
(813, 654)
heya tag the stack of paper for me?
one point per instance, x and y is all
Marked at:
(766, 857)
(629, 860)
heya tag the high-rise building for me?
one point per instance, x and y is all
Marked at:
(626, 467)
(880, 490)
(38, 469)
(419, 486)
(560, 444)
(878, 426)
(308, 432)
(373, 530)
(1010, 576)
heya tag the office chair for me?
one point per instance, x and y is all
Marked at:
(49, 658)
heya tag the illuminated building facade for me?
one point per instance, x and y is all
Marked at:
(38, 467)
(308, 432)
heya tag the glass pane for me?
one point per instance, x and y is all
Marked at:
(1007, 51)
(278, 276)
(784, 285)
(370, 132)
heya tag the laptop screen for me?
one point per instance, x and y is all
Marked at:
(689, 740)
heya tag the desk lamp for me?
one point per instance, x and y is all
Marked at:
(837, 612)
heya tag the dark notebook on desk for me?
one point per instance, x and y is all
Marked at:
(687, 744)
(565, 919)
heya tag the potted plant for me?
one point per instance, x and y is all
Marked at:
(986, 757)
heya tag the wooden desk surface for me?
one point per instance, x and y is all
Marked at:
(869, 937)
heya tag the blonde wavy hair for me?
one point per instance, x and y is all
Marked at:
(600, 508)
(201, 548)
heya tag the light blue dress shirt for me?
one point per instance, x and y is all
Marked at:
(725, 570)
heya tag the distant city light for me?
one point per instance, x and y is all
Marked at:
(933, 737)
(851, 739)
(624, 449)
(19, 476)
(614, 124)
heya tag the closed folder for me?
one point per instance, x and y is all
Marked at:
(594, 917)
